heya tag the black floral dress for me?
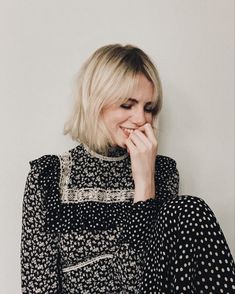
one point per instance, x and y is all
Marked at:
(82, 233)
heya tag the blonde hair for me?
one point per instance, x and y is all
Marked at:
(108, 76)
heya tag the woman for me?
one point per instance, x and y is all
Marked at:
(105, 217)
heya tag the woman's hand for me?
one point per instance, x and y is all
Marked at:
(142, 146)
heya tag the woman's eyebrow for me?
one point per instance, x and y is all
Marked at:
(136, 101)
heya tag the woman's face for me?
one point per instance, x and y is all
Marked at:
(120, 119)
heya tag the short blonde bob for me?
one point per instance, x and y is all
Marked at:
(108, 76)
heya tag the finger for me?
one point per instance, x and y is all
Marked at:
(147, 128)
(138, 142)
(140, 138)
(130, 146)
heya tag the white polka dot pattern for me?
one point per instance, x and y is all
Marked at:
(187, 252)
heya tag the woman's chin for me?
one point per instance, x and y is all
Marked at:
(122, 144)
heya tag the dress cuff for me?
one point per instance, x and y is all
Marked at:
(138, 225)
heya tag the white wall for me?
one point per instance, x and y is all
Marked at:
(44, 42)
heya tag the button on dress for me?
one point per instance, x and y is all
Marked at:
(82, 232)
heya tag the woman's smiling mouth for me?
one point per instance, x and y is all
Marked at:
(127, 131)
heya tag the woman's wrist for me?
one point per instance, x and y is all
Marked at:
(144, 190)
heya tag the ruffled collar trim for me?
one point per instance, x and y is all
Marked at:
(115, 153)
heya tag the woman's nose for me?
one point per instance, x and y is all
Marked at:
(139, 117)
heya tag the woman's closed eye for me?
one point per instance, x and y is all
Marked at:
(147, 108)
(150, 109)
(126, 106)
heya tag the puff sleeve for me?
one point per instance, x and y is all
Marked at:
(141, 216)
(39, 248)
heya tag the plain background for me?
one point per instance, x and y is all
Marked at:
(43, 44)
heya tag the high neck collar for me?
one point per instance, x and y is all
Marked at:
(114, 153)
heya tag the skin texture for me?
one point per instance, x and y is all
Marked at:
(141, 143)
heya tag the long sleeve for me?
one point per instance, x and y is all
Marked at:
(167, 178)
(39, 248)
(139, 222)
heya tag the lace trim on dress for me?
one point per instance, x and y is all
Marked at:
(84, 263)
(73, 195)
(65, 168)
(97, 155)
(95, 194)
